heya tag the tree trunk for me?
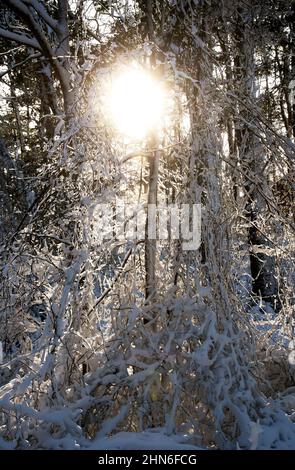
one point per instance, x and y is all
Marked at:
(262, 266)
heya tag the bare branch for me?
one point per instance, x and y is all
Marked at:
(33, 56)
(20, 38)
(41, 10)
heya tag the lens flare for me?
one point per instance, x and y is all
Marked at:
(136, 103)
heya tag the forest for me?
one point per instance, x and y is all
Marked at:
(147, 216)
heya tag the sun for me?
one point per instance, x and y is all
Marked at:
(136, 103)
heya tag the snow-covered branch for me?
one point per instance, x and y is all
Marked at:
(54, 51)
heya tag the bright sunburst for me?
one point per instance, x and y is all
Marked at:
(136, 103)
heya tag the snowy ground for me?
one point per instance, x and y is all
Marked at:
(147, 440)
